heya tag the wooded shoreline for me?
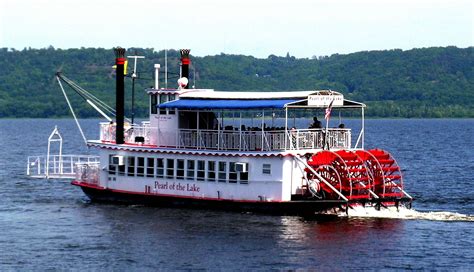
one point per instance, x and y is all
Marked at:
(435, 82)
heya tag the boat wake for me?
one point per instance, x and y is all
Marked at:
(405, 213)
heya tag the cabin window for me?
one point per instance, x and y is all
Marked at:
(244, 177)
(244, 173)
(131, 166)
(112, 166)
(222, 171)
(140, 166)
(163, 99)
(191, 169)
(170, 168)
(267, 169)
(150, 167)
(201, 171)
(171, 97)
(211, 171)
(232, 173)
(180, 169)
(160, 168)
(153, 104)
(121, 170)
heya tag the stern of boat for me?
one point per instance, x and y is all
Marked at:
(87, 175)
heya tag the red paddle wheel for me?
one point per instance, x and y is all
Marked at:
(386, 173)
(360, 174)
(344, 170)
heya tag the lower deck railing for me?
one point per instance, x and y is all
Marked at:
(57, 166)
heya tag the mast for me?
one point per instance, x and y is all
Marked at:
(134, 76)
(120, 94)
(166, 68)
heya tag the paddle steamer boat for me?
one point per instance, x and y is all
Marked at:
(245, 151)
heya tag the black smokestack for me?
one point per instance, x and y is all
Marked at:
(120, 93)
(185, 61)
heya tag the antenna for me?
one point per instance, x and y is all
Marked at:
(166, 68)
(134, 76)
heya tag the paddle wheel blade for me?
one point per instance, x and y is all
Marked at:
(389, 181)
(344, 170)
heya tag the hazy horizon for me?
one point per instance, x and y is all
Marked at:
(302, 28)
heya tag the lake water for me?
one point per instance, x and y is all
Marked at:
(51, 225)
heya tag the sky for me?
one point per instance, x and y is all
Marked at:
(302, 28)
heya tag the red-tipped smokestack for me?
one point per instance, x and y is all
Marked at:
(185, 61)
(120, 94)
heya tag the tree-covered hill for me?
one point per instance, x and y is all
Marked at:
(428, 82)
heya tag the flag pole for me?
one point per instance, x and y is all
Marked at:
(327, 115)
(326, 146)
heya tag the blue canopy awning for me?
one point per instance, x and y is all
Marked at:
(227, 103)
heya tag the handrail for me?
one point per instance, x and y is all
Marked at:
(59, 166)
(238, 140)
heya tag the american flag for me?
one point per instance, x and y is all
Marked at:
(328, 111)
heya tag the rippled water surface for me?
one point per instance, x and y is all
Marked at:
(49, 224)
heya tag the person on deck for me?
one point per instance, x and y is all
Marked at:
(316, 123)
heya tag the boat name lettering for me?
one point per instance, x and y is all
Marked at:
(177, 186)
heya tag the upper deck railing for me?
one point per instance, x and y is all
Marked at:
(232, 140)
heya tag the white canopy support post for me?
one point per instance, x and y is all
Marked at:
(72, 111)
(263, 127)
(286, 128)
(198, 131)
(219, 130)
(360, 138)
(240, 131)
(326, 132)
(363, 127)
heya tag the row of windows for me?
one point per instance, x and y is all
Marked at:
(162, 98)
(201, 170)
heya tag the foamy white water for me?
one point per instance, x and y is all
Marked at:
(405, 213)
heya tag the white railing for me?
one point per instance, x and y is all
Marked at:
(231, 140)
(87, 173)
(338, 138)
(58, 166)
(141, 135)
(268, 140)
(255, 140)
